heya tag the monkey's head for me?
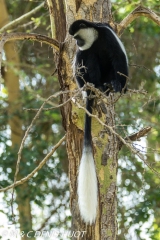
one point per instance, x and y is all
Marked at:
(84, 32)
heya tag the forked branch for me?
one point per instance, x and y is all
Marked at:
(137, 12)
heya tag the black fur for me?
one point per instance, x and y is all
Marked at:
(99, 65)
(103, 60)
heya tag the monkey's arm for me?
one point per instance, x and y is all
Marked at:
(88, 69)
(120, 73)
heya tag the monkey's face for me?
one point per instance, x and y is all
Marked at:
(84, 33)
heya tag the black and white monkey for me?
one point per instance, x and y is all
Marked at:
(105, 63)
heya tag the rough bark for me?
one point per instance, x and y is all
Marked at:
(105, 147)
(105, 143)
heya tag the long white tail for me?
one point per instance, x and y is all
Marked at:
(87, 187)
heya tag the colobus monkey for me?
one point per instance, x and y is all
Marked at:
(101, 60)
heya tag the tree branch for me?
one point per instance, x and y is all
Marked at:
(136, 136)
(36, 169)
(49, 217)
(5, 37)
(50, 6)
(26, 134)
(30, 36)
(21, 18)
(137, 12)
(127, 143)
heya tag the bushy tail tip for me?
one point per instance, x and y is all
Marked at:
(87, 187)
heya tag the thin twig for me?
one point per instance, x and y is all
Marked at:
(135, 151)
(26, 134)
(21, 18)
(36, 169)
(52, 20)
(51, 214)
(24, 138)
(76, 92)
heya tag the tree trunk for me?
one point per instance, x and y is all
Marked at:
(105, 143)
(12, 84)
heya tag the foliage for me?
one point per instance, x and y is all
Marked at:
(48, 189)
(138, 186)
(138, 191)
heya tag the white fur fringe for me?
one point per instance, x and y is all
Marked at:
(87, 187)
